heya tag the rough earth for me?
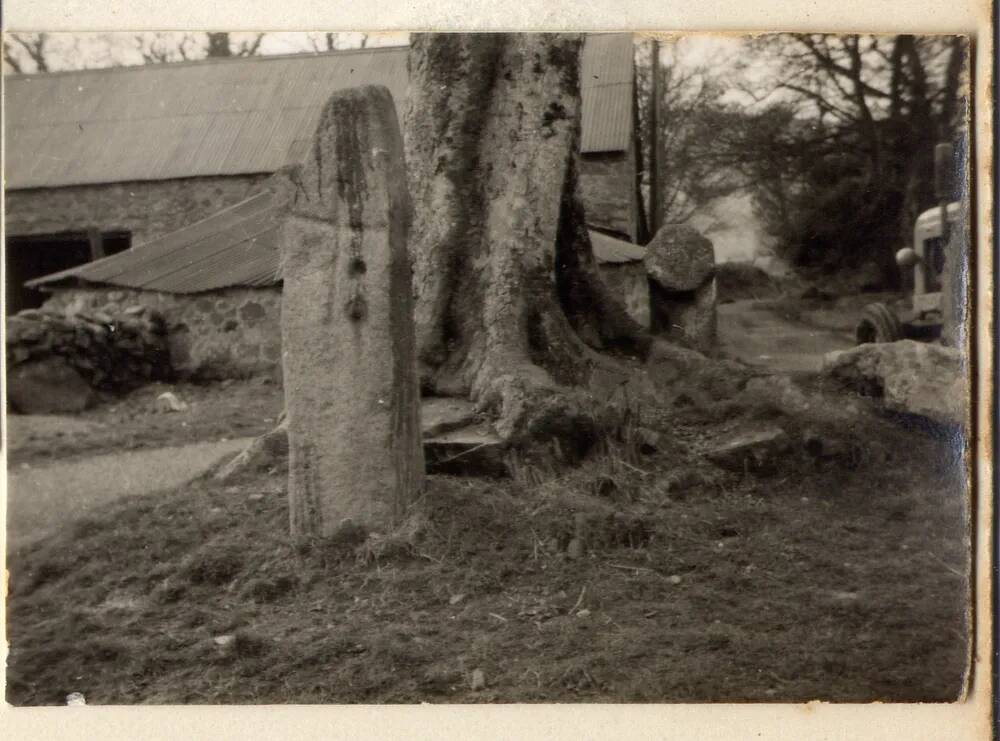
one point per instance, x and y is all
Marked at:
(635, 577)
(837, 570)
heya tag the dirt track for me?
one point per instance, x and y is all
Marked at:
(41, 498)
(757, 333)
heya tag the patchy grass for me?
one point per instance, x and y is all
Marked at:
(638, 579)
(231, 409)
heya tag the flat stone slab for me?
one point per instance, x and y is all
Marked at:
(467, 452)
(459, 442)
(750, 450)
(439, 415)
(456, 441)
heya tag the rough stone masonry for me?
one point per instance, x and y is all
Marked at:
(351, 387)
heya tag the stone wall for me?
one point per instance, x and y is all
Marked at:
(146, 209)
(230, 333)
(236, 332)
(54, 361)
(629, 282)
(607, 187)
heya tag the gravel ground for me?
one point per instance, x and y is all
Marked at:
(40, 498)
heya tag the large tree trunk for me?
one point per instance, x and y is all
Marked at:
(509, 304)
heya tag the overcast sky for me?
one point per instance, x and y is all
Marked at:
(75, 51)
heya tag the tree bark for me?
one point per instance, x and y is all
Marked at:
(509, 304)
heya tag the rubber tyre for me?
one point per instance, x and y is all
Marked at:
(878, 324)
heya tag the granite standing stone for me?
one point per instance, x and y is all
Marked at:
(680, 264)
(351, 388)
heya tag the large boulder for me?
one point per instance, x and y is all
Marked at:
(680, 265)
(919, 378)
(48, 386)
(680, 258)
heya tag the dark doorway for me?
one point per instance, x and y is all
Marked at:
(33, 256)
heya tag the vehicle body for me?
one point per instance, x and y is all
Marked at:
(924, 318)
(939, 259)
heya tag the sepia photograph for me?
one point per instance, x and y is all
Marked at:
(489, 368)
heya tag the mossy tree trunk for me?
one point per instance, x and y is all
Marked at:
(510, 310)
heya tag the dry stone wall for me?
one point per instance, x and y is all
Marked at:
(53, 360)
(229, 333)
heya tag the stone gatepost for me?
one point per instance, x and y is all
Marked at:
(680, 264)
(351, 389)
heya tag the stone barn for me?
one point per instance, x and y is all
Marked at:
(99, 161)
(216, 283)
(149, 186)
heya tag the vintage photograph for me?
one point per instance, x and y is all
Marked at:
(370, 368)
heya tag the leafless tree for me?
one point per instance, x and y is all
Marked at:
(836, 139)
(330, 41)
(509, 305)
(221, 44)
(26, 52)
(689, 176)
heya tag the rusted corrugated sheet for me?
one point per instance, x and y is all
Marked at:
(610, 250)
(234, 247)
(230, 117)
(606, 74)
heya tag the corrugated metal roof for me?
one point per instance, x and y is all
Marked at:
(234, 247)
(610, 250)
(606, 72)
(234, 116)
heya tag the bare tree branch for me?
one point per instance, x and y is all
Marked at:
(33, 45)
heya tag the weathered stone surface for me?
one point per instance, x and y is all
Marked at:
(782, 393)
(689, 317)
(458, 441)
(48, 386)
(750, 450)
(145, 209)
(351, 390)
(470, 451)
(607, 183)
(439, 415)
(455, 442)
(680, 258)
(110, 352)
(680, 263)
(230, 333)
(168, 402)
(908, 376)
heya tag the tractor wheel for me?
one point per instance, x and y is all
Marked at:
(878, 324)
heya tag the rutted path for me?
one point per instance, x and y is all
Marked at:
(43, 497)
(753, 332)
